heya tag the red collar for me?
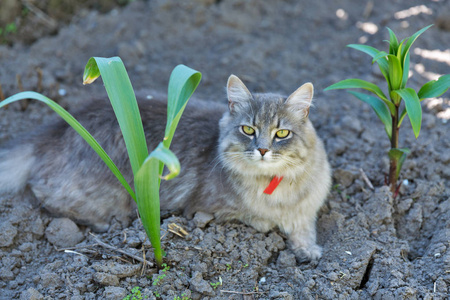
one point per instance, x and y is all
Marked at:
(273, 185)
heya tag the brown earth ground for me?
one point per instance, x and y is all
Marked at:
(375, 247)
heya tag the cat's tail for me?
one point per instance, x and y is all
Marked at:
(15, 167)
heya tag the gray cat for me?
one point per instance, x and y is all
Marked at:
(259, 161)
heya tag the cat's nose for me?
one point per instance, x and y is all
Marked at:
(262, 151)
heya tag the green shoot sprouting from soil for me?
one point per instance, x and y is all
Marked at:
(147, 168)
(135, 294)
(395, 68)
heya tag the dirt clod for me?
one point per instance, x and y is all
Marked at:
(63, 232)
(7, 234)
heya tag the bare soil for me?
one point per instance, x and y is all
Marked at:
(375, 247)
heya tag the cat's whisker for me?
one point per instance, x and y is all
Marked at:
(220, 159)
(215, 165)
(217, 159)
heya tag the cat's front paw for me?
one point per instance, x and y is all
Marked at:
(306, 254)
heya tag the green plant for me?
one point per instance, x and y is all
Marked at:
(163, 275)
(395, 68)
(229, 267)
(337, 188)
(135, 294)
(215, 285)
(147, 168)
(243, 265)
(183, 297)
(10, 28)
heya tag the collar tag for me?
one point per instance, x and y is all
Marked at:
(273, 185)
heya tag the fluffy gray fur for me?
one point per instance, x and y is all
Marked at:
(224, 170)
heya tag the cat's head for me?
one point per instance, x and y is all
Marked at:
(266, 134)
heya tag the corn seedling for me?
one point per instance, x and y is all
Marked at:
(147, 168)
(394, 66)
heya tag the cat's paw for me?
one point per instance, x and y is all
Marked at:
(310, 254)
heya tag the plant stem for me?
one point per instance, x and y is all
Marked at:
(394, 144)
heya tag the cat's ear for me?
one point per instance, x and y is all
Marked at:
(300, 100)
(237, 93)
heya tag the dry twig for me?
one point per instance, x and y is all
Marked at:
(243, 293)
(144, 265)
(81, 247)
(2, 96)
(19, 82)
(366, 179)
(74, 252)
(23, 104)
(46, 19)
(178, 230)
(107, 246)
(39, 82)
(368, 9)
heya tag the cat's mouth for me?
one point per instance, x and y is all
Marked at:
(262, 155)
(264, 160)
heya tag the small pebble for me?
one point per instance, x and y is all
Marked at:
(63, 232)
(62, 92)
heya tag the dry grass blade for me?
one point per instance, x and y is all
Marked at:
(243, 293)
(107, 246)
(40, 14)
(178, 230)
(2, 96)
(366, 179)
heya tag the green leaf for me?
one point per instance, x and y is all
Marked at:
(399, 155)
(382, 62)
(411, 40)
(399, 52)
(402, 116)
(147, 181)
(405, 71)
(121, 94)
(413, 108)
(91, 71)
(380, 55)
(393, 42)
(358, 83)
(435, 88)
(395, 72)
(380, 109)
(78, 128)
(364, 48)
(182, 84)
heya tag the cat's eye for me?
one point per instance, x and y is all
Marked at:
(282, 133)
(248, 130)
